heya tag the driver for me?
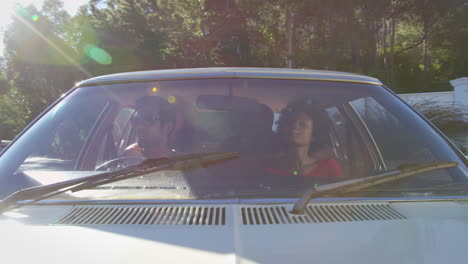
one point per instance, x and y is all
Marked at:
(154, 123)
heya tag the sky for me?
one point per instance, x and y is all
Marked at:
(7, 7)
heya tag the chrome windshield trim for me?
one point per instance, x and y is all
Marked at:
(192, 73)
(152, 78)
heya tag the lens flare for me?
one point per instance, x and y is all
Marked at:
(23, 17)
(35, 18)
(98, 55)
(295, 172)
(171, 99)
(155, 89)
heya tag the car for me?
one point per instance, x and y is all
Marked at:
(4, 144)
(232, 165)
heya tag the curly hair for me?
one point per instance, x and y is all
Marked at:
(307, 106)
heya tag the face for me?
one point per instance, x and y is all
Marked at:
(152, 133)
(299, 130)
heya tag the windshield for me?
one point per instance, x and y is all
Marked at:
(289, 134)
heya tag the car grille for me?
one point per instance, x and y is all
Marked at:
(216, 215)
(152, 215)
(319, 213)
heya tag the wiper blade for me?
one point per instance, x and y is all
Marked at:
(366, 182)
(184, 162)
(442, 187)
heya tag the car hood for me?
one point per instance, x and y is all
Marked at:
(364, 232)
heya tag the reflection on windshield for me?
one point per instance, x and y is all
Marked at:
(290, 134)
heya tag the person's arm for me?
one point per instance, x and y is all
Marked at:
(132, 151)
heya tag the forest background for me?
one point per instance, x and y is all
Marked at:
(411, 45)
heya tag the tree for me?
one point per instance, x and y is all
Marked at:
(39, 64)
(125, 31)
(14, 114)
(413, 46)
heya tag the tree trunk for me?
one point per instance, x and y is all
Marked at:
(331, 45)
(372, 62)
(355, 47)
(392, 54)
(276, 55)
(385, 33)
(323, 61)
(426, 59)
(290, 30)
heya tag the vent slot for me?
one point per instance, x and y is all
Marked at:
(270, 215)
(320, 213)
(163, 215)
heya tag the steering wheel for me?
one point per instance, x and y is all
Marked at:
(119, 163)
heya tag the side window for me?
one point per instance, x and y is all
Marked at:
(116, 138)
(122, 128)
(338, 135)
(348, 146)
(386, 131)
(72, 127)
(274, 127)
(67, 140)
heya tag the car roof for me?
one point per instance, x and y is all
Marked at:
(210, 73)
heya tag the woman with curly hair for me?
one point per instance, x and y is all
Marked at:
(304, 135)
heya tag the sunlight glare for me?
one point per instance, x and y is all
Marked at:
(11, 6)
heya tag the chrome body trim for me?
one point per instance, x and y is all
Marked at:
(215, 73)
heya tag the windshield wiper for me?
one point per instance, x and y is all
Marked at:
(442, 187)
(366, 182)
(184, 162)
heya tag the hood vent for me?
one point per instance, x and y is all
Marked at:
(161, 215)
(319, 213)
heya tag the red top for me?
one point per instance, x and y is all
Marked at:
(326, 167)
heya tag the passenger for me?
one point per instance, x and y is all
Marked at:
(154, 123)
(303, 133)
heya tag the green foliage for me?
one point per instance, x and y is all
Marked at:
(14, 114)
(413, 46)
(40, 65)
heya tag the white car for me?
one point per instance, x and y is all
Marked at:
(232, 165)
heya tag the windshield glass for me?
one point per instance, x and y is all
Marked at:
(289, 134)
